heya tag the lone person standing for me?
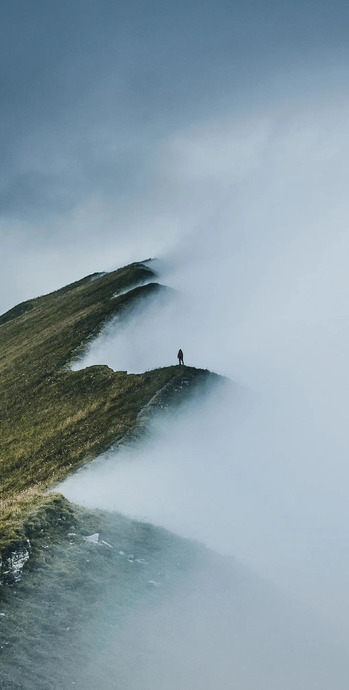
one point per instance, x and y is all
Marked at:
(180, 357)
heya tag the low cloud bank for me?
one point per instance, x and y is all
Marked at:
(261, 295)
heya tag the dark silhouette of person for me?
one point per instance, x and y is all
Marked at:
(180, 357)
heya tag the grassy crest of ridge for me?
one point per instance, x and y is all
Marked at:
(53, 420)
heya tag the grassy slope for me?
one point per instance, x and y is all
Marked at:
(52, 419)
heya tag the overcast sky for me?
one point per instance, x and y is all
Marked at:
(102, 100)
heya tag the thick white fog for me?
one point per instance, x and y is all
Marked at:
(261, 296)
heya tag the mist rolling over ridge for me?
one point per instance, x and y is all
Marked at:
(258, 472)
(261, 296)
(211, 141)
(253, 470)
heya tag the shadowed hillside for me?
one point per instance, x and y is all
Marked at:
(53, 420)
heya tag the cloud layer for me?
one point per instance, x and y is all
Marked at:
(110, 110)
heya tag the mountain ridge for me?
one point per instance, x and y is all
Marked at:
(53, 419)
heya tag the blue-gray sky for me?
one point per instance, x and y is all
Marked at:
(92, 91)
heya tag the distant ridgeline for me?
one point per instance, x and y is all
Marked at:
(52, 419)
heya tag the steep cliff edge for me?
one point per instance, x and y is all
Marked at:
(52, 419)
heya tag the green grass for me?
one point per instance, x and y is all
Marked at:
(52, 420)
